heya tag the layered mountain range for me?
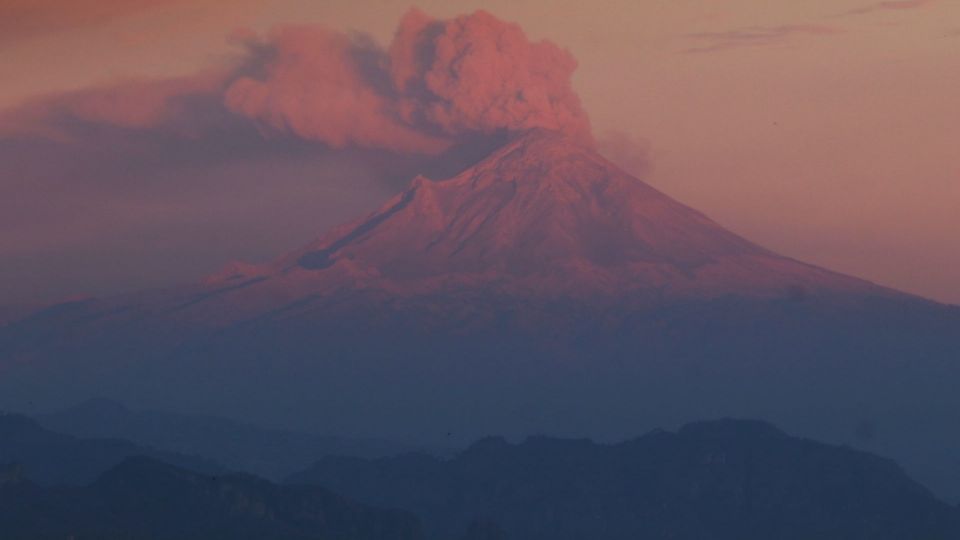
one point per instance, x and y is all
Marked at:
(727, 479)
(541, 290)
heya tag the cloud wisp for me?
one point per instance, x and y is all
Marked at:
(761, 36)
(891, 5)
(756, 36)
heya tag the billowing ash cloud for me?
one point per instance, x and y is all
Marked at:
(478, 74)
(438, 82)
(321, 85)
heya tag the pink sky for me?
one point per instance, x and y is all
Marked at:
(826, 130)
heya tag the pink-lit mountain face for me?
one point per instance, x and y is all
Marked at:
(541, 290)
(545, 216)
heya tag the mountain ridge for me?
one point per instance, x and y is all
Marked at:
(723, 479)
(142, 498)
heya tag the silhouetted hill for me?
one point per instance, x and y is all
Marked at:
(736, 480)
(271, 453)
(146, 499)
(51, 458)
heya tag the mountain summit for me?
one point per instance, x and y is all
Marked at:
(544, 214)
(540, 201)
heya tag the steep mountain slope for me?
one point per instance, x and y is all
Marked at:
(736, 480)
(541, 215)
(547, 214)
(541, 290)
(146, 499)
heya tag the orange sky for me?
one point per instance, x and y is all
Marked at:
(826, 130)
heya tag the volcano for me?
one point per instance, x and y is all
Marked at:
(542, 215)
(541, 290)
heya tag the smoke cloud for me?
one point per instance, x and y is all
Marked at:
(186, 106)
(478, 74)
(313, 84)
(439, 82)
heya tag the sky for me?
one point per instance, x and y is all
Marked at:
(825, 130)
